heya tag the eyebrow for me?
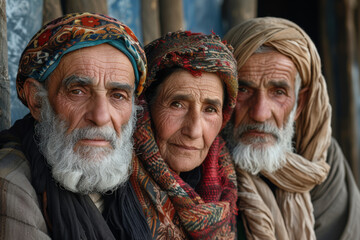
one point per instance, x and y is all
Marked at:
(185, 97)
(75, 79)
(246, 83)
(281, 84)
(122, 86)
(86, 81)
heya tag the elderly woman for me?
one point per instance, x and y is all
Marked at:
(183, 174)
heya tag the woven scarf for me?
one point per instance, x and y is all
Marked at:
(288, 214)
(173, 209)
(74, 216)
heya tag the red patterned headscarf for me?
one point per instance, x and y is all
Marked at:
(71, 32)
(174, 210)
(195, 52)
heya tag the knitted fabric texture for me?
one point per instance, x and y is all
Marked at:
(72, 32)
(290, 214)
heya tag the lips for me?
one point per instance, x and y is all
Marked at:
(95, 142)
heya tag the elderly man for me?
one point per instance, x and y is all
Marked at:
(290, 186)
(65, 167)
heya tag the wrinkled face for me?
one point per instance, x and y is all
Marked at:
(93, 87)
(187, 115)
(86, 122)
(266, 95)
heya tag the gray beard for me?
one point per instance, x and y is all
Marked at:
(254, 157)
(88, 169)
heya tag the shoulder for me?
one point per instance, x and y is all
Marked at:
(336, 201)
(14, 168)
(20, 212)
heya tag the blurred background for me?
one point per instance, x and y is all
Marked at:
(332, 24)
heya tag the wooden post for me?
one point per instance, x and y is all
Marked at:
(93, 6)
(171, 15)
(5, 115)
(339, 59)
(51, 9)
(150, 20)
(236, 11)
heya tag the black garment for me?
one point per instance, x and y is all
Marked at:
(74, 216)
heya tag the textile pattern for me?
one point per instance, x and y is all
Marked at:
(72, 32)
(195, 52)
(173, 208)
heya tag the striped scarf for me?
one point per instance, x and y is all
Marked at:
(173, 209)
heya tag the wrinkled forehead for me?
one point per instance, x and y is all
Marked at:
(272, 65)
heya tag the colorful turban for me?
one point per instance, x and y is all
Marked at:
(307, 167)
(72, 32)
(195, 52)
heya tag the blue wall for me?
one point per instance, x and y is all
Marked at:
(203, 16)
(24, 19)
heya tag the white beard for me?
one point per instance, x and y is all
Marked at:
(88, 169)
(254, 157)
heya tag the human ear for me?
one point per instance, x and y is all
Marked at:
(302, 98)
(31, 88)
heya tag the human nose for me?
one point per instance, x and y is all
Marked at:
(260, 110)
(192, 126)
(99, 112)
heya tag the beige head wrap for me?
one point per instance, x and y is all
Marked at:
(290, 214)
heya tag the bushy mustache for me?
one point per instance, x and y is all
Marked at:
(260, 127)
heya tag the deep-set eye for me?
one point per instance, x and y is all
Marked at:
(118, 96)
(243, 89)
(211, 109)
(76, 91)
(176, 104)
(280, 92)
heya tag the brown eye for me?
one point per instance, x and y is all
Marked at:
(243, 89)
(76, 91)
(118, 96)
(280, 92)
(176, 104)
(211, 109)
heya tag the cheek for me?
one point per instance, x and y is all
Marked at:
(282, 112)
(211, 130)
(166, 125)
(239, 113)
(120, 117)
(67, 110)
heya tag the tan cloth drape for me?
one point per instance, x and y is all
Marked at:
(288, 215)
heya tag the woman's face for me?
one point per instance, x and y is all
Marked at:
(187, 114)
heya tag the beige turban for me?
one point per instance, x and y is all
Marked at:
(290, 214)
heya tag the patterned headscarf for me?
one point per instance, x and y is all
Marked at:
(290, 215)
(175, 210)
(195, 52)
(71, 32)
